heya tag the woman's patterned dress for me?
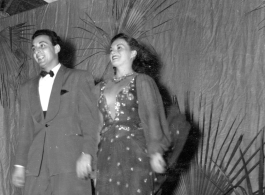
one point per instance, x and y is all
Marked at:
(123, 162)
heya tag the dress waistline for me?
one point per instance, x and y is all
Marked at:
(122, 125)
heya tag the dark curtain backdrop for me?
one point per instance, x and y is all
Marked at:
(214, 51)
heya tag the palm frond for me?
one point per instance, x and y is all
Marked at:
(12, 58)
(220, 168)
(88, 57)
(261, 164)
(249, 187)
(259, 8)
(131, 17)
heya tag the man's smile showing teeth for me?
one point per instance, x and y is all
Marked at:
(40, 57)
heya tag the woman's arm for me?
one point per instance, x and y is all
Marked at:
(152, 114)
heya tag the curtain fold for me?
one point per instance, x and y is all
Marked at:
(212, 49)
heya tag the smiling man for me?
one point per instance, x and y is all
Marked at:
(57, 127)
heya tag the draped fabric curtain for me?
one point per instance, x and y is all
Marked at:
(211, 50)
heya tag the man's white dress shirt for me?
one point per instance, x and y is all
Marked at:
(45, 88)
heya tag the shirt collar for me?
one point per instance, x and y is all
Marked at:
(56, 69)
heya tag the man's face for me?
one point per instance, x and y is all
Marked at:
(44, 53)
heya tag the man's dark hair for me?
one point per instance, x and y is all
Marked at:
(55, 39)
(64, 56)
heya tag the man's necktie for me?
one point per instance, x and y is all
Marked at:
(44, 73)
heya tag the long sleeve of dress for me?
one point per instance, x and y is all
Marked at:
(152, 114)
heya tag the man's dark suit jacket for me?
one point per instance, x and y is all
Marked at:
(69, 128)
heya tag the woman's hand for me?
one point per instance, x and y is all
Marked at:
(157, 163)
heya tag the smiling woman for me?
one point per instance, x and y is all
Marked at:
(134, 133)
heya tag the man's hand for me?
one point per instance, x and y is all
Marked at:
(18, 176)
(83, 166)
(157, 163)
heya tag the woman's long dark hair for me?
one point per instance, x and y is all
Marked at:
(145, 61)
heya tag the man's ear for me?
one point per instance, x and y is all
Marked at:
(57, 48)
(133, 54)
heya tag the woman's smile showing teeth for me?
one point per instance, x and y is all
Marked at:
(114, 57)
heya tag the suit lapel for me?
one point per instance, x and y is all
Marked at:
(54, 102)
(35, 101)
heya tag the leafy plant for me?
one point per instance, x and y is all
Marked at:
(260, 163)
(124, 16)
(12, 59)
(219, 168)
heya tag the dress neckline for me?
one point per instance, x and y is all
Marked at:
(116, 97)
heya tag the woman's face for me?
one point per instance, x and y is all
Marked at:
(121, 53)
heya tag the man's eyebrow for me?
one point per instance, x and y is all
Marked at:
(119, 44)
(40, 43)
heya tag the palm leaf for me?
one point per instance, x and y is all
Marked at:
(249, 187)
(12, 57)
(125, 16)
(261, 164)
(239, 171)
(236, 174)
(212, 173)
(261, 6)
